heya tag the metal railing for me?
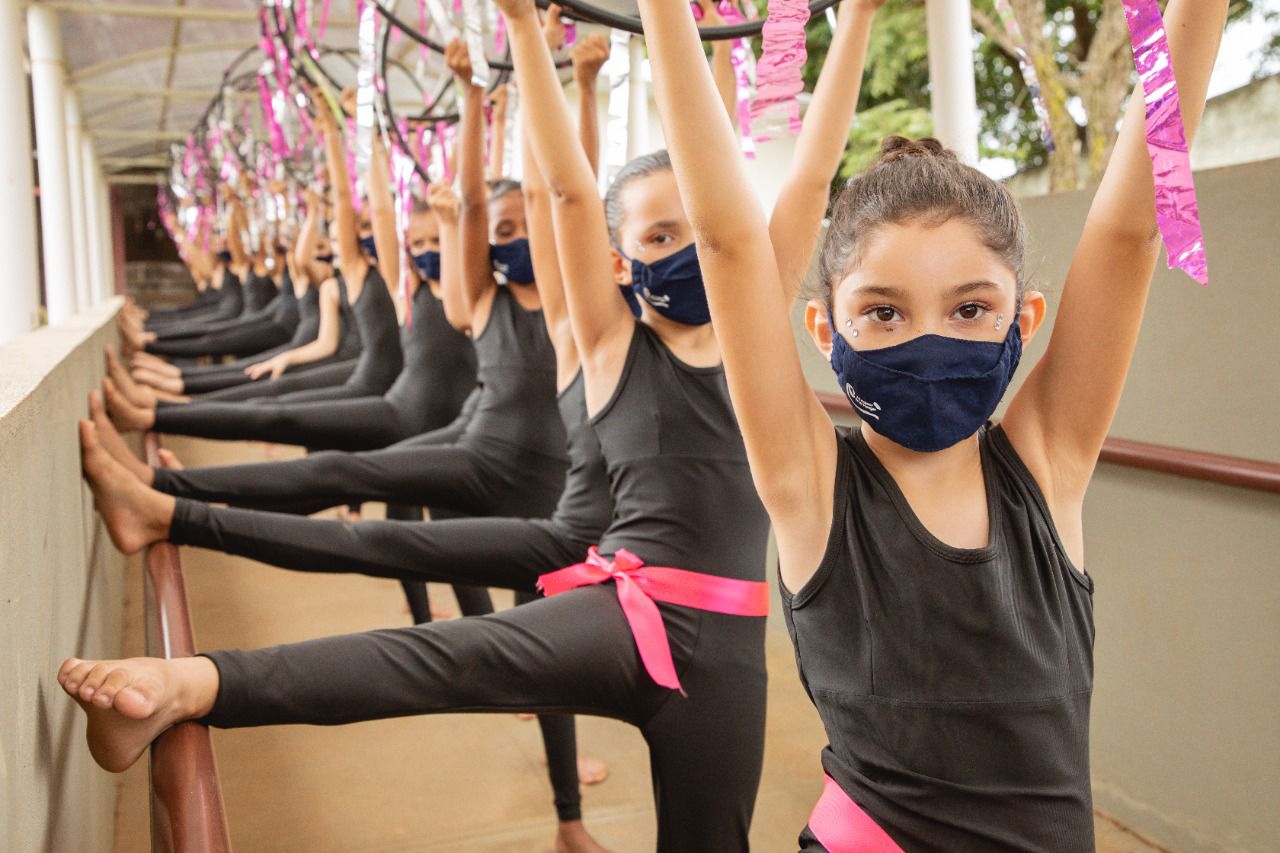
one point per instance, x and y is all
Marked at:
(1210, 467)
(186, 798)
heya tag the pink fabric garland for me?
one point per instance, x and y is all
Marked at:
(1029, 75)
(779, 79)
(1177, 212)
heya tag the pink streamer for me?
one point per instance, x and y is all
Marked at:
(1177, 212)
(779, 80)
(842, 827)
(740, 57)
(322, 21)
(500, 35)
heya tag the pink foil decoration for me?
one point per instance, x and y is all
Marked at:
(1177, 212)
(322, 20)
(779, 81)
(1014, 32)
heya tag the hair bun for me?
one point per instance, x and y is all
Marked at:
(900, 147)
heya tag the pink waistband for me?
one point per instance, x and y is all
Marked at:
(842, 827)
(639, 586)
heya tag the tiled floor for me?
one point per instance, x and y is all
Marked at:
(445, 783)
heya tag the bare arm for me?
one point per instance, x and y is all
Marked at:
(344, 215)
(382, 215)
(237, 223)
(444, 202)
(473, 216)
(802, 202)
(546, 265)
(1106, 288)
(325, 344)
(498, 133)
(722, 62)
(589, 55)
(304, 251)
(789, 440)
(602, 324)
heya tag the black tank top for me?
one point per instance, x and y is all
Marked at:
(586, 507)
(682, 491)
(308, 318)
(284, 311)
(350, 344)
(375, 318)
(953, 683)
(517, 376)
(231, 304)
(439, 361)
(259, 290)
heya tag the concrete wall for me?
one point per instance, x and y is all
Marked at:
(1185, 729)
(61, 590)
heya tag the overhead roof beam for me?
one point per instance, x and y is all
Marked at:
(150, 179)
(186, 13)
(138, 135)
(115, 164)
(128, 59)
(141, 92)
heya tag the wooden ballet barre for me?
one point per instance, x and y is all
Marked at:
(1210, 467)
(187, 815)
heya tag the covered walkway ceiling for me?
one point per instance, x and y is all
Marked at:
(144, 71)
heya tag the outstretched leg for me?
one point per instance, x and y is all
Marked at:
(114, 444)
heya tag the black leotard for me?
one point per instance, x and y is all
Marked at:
(575, 653)
(439, 372)
(953, 683)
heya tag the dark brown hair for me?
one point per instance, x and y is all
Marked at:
(918, 180)
(639, 167)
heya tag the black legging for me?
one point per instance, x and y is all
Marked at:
(473, 477)
(324, 374)
(571, 654)
(247, 338)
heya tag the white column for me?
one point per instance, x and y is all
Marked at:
(20, 286)
(637, 101)
(48, 88)
(955, 103)
(93, 225)
(107, 235)
(79, 225)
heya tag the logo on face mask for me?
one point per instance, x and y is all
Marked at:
(657, 300)
(865, 408)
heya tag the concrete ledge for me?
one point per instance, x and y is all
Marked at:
(61, 589)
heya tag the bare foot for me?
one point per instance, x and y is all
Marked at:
(156, 363)
(572, 837)
(169, 459)
(114, 444)
(135, 515)
(149, 378)
(138, 395)
(591, 771)
(129, 703)
(125, 415)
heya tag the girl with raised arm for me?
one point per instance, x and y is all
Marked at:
(932, 564)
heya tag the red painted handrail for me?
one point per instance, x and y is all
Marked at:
(186, 798)
(1210, 467)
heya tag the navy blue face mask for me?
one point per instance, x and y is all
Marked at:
(224, 256)
(629, 296)
(673, 286)
(512, 261)
(369, 247)
(428, 264)
(325, 259)
(930, 392)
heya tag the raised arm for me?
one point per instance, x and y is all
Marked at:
(546, 264)
(722, 62)
(797, 214)
(498, 132)
(1106, 288)
(789, 439)
(352, 261)
(602, 324)
(382, 215)
(473, 212)
(237, 224)
(304, 251)
(589, 55)
(444, 201)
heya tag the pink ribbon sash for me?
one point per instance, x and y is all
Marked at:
(842, 827)
(639, 586)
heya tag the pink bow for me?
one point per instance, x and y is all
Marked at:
(639, 586)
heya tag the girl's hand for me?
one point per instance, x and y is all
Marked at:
(499, 98)
(513, 9)
(325, 120)
(458, 60)
(444, 202)
(589, 55)
(711, 16)
(553, 28)
(347, 100)
(273, 366)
